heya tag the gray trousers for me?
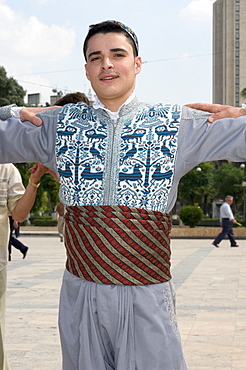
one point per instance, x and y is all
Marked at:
(118, 327)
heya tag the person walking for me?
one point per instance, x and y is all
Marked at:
(119, 162)
(226, 220)
(13, 240)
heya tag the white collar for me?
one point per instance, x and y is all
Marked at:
(113, 115)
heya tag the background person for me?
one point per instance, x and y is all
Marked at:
(17, 201)
(226, 220)
(13, 240)
(72, 98)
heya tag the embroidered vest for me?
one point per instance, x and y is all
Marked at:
(127, 164)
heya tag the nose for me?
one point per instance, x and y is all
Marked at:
(107, 63)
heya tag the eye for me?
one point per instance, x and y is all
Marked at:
(119, 55)
(94, 58)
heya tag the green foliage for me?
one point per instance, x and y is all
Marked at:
(191, 215)
(42, 221)
(51, 187)
(228, 180)
(207, 222)
(10, 91)
(198, 186)
(209, 183)
(243, 93)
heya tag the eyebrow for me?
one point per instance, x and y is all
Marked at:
(111, 50)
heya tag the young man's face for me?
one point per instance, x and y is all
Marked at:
(111, 68)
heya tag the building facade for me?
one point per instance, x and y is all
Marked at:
(229, 51)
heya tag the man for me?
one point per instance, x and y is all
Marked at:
(17, 201)
(13, 240)
(226, 220)
(119, 163)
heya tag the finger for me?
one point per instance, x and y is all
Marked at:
(36, 121)
(206, 107)
(217, 116)
(41, 167)
(212, 108)
(26, 115)
(33, 168)
(230, 112)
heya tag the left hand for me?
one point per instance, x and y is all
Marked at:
(219, 110)
(37, 171)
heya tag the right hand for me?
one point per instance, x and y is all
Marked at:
(38, 170)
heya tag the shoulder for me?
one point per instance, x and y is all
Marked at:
(7, 169)
(189, 113)
(171, 111)
(79, 107)
(52, 112)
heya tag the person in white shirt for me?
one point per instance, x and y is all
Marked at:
(226, 220)
(17, 201)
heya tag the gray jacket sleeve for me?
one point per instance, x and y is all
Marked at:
(24, 142)
(200, 141)
(5, 112)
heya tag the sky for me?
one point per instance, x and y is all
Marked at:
(41, 45)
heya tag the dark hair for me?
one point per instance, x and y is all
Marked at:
(111, 26)
(72, 98)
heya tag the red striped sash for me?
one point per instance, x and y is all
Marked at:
(118, 245)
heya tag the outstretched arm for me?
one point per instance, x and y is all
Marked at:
(219, 111)
(24, 113)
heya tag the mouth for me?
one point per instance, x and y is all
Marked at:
(108, 78)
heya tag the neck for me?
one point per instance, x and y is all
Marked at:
(114, 104)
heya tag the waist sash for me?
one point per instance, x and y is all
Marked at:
(118, 245)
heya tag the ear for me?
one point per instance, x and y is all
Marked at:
(138, 65)
(87, 72)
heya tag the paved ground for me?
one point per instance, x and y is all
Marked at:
(211, 304)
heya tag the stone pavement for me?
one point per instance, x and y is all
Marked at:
(211, 303)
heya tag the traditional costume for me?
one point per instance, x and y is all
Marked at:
(118, 179)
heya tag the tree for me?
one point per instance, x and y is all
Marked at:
(243, 93)
(51, 187)
(197, 186)
(10, 91)
(228, 181)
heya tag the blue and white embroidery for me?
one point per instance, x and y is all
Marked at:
(132, 164)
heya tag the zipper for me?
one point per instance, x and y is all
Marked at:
(110, 173)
